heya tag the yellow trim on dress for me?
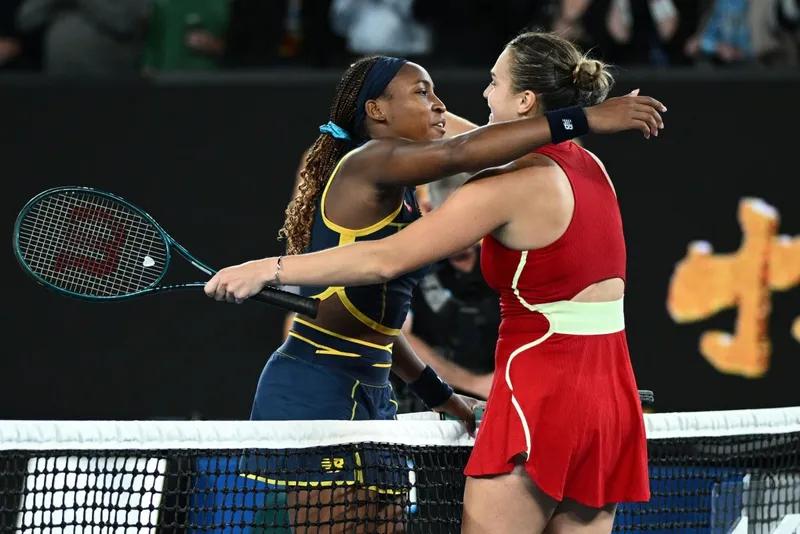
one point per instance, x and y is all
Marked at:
(347, 236)
(322, 349)
(359, 232)
(387, 348)
(375, 325)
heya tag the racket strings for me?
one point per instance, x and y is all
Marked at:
(92, 245)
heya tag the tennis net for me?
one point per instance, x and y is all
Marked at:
(715, 472)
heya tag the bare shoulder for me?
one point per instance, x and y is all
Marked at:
(534, 175)
(357, 161)
(531, 161)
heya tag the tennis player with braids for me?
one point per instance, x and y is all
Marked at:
(562, 438)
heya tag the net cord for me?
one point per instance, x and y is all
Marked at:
(412, 429)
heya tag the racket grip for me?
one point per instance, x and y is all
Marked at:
(646, 396)
(288, 301)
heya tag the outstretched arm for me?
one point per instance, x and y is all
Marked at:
(404, 162)
(475, 210)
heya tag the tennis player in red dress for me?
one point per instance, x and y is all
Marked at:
(562, 440)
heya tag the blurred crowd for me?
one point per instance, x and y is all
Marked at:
(102, 38)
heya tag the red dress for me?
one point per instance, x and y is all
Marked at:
(564, 393)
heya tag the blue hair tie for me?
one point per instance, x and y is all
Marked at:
(334, 130)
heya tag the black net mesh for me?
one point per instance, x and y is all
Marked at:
(702, 484)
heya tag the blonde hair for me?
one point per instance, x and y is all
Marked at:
(557, 71)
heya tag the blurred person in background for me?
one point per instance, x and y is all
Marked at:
(255, 33)
(659, 17)
(10, 45)
(17, 52)
(629, 32)
(745, 32)
(186, 35)
(381, 27)
(787, 14)
(278, 32)
(725, 35)
(87, 38)
(487, 23)
(454, 316)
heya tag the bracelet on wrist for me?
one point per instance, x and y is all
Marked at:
(278, 267)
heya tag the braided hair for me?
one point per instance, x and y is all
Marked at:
(322, 159)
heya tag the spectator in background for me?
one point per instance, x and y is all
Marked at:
(87, 38)
(255, 33)
(186, 35)
(470, 32)
(627, 31)
(380, 27)
(725, 35)
(454, 318)
(737, 32)
(11, 46)
(663, 15)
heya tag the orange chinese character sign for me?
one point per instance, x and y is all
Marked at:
(705, 283)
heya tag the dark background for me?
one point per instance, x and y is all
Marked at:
(213, 160)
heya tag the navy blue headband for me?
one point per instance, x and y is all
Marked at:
(378, 77)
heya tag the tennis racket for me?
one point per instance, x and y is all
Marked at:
(92, 245)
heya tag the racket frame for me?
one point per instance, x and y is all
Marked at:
(150, 289)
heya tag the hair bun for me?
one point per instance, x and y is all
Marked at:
(590, 75)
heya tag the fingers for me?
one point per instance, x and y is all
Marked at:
(471, 425)
(211, 286)
(221, 291)
(651, 102)
(647, 123)
(646, 114)
(657, 116)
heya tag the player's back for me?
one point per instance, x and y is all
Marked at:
(563, 362)
(591, 249)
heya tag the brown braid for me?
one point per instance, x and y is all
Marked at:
(322, 159)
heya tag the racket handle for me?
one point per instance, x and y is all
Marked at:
(289, 301)
(646, 396)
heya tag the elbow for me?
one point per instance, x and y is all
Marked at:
(387, 272)
(385, 266)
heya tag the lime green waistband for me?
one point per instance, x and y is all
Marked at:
(583, 318)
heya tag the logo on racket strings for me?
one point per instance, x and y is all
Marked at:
(91, 232)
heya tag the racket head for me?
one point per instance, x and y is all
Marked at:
(90, 244)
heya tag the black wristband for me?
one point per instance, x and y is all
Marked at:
(567, 123)
(431, 389)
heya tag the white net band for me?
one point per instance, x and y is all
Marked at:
(412, 430)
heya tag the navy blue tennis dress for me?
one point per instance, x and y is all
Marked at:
(318, 374)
